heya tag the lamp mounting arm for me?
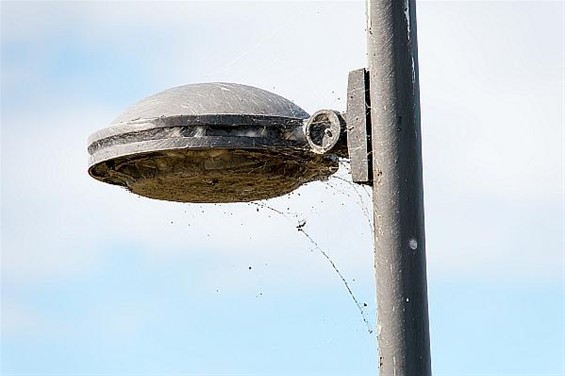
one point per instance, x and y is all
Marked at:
(346, 134)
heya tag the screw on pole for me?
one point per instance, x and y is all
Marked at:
(400, 259)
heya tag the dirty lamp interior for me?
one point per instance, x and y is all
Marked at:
(214, 142)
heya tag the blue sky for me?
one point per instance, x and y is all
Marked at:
(97, 281)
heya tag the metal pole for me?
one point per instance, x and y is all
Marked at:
(400, 258)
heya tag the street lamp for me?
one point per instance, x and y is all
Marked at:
(216, 142)
(224, 142)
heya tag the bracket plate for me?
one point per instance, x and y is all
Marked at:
(359, 126)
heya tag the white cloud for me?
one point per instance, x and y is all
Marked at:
(19, 320)
(492, 98)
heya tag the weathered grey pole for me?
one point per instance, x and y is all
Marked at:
(400, 257)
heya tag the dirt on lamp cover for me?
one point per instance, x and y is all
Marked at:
(214, 176)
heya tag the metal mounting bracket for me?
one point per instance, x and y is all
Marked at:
(358, 126)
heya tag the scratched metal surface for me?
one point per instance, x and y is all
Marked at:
(212, 98)
(205, 99)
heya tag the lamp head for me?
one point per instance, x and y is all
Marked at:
(211, 142)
